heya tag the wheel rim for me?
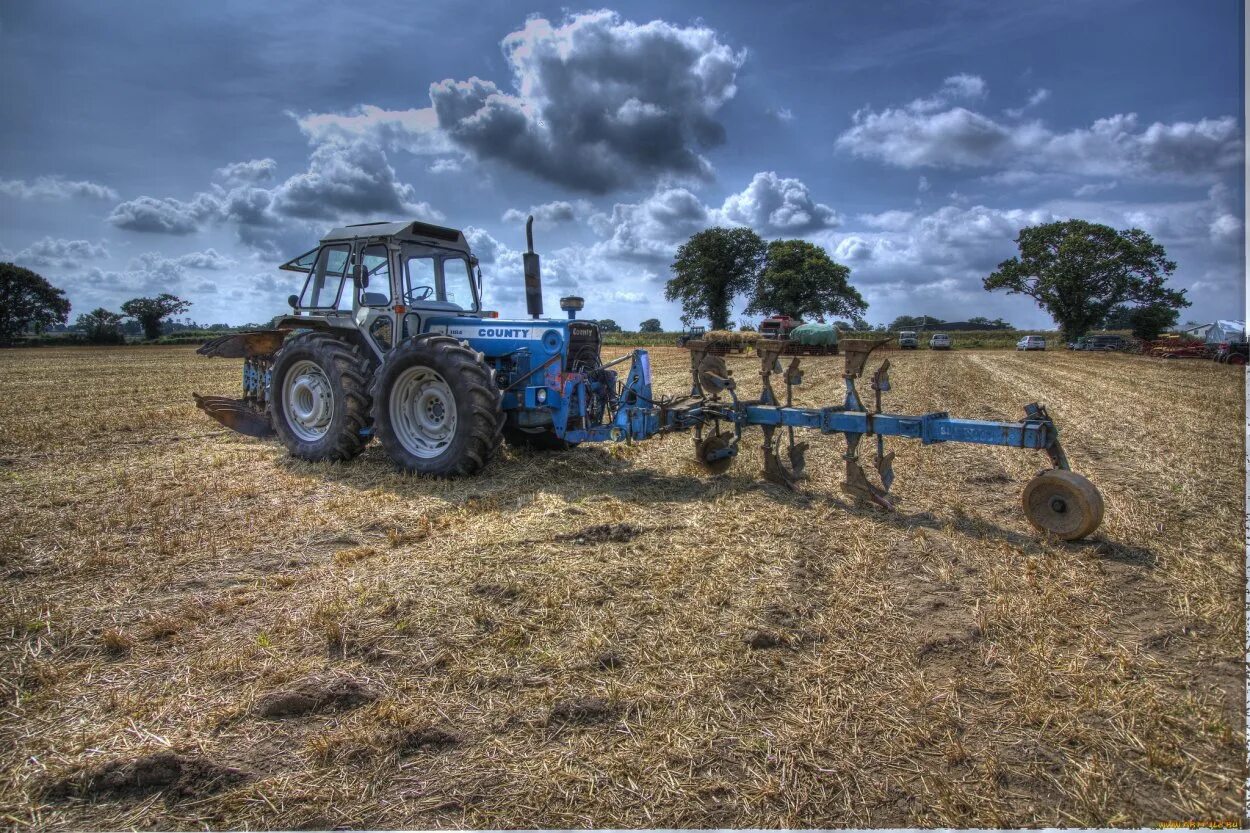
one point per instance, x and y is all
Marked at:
(308, 401)
(423, 412)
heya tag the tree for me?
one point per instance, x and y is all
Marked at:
(101, 326)
(711, 268)
(150, 312)
(800, 280)
(1148, 322)
(1119, 318)
(607, 325)
(906, 322)
(651, 325)
(1078, 271)
(860, 325)
(28, 301)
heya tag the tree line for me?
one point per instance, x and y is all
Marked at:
(29, 302)
(1086, 276)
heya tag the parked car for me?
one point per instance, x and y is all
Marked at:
(1233, 352)
(907, 340)
(940, 341)
(1079, 344)
(1103, 344)
(1031, 343)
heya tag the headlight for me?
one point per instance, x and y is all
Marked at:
(541, 396)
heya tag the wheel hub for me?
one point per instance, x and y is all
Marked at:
(308, 401)
(423, 412)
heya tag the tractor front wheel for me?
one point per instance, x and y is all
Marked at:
(319, 395)
(436, 408)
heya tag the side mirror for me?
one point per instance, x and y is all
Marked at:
(293, 301)
(361, 276)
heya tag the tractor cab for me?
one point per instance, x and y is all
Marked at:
(387, 279)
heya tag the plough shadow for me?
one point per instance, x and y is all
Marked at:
(587, 473)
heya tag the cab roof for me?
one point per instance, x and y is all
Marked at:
(411, 231)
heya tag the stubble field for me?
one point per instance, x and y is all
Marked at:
(200, 631)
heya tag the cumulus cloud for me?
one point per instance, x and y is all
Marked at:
(777, 205)
(345, 180)
(596, 103)
(348, 178)
(936, 133)
(415, 130)
(60, 253)
(651, 230)
(1094, 188)
(164, 215)
(255, 170)
(445, 165)
(559, 211)
(207, 259)
(55, 188)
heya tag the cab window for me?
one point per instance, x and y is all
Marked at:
(457, 282)
(377, 267)
(420, 280)
(324, 286)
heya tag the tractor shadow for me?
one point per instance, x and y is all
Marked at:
(574, 475)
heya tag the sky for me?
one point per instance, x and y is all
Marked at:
(193, 147)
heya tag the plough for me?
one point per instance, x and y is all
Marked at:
(1057, 501)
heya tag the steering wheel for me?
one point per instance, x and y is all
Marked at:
(412, 296)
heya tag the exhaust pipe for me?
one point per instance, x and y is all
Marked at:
(533, 275)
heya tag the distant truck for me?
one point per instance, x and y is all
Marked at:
(907, 340)
(940, 341)
(778, 327)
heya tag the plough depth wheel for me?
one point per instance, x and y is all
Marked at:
(1063, 503)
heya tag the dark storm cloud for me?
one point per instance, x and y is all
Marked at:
(597, 103)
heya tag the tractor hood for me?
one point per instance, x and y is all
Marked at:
(496, 337)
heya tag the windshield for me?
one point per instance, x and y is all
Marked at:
(438, 279)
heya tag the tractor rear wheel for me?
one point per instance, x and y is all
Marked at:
(319, 395)
(436, 408)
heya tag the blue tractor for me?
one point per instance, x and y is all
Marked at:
(388, 339)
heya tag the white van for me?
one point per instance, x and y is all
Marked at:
(1031, 343)
(940, 341)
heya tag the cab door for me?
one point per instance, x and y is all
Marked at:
(375, 296)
